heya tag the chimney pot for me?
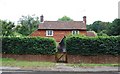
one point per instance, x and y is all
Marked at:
(41, 18)
(84, 20)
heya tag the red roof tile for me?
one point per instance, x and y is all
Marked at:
(62, 25)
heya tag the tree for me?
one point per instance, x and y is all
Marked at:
(65, 18)
(114, 28)
(22, 30)
(7, 27)
(28, 24)
(99, 27)
(102, 33)
(89, 27)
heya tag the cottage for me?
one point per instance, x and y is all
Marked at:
(59, 29)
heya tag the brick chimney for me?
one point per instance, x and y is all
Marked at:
(84, 20)
(41, 18)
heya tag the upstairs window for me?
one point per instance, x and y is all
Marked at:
(49, 32)
(75, 32)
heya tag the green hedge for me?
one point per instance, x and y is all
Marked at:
(93, 45)
(28, 45)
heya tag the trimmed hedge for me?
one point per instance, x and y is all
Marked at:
(28, 45)
(93, 45)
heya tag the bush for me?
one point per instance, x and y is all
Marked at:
(93, 45)
(28, 45)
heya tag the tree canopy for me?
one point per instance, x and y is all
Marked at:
(106, 28)
(65, 18)
(98, 26)
(114, 28)
(28, 24)
(7, 27)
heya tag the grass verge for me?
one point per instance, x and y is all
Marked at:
(92, 65)
(16, 63)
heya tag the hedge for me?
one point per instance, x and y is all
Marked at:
(28, 45)
(93, 45)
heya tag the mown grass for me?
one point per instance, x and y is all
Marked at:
(16, 63)
(92, 65)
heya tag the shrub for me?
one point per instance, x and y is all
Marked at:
(93, 45)
(28, 45)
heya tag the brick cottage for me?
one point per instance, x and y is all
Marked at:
(59, 29)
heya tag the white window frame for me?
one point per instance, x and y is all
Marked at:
(75, 32)
(48, 31)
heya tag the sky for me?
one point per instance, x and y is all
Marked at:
(119, 10)
(103, 10)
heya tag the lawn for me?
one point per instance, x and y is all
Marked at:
(35, 64)
(16, 63)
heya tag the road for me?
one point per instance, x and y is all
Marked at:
(55, 72)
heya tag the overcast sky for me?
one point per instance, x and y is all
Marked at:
(104, 10)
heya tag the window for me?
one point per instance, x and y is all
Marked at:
(49, 32)
(75, 32)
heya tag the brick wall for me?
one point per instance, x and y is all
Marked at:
(71, 58)
(42, 58)
(58, 34)
(93, 59)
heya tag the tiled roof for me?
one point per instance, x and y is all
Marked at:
(91, 33)
(62, 25)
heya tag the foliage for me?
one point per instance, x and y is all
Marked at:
(99, 26)
(65, 18)
(102, 28)
(28, 45)
(28, 24)
(102, 33)
(7, 28)
(114, 28)
(17, 34)
(93, 45)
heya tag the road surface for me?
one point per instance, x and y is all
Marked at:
(55, 72)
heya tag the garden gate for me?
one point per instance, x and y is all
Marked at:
(61, 54)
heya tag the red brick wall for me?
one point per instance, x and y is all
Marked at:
(42, 58)
(93, 59)
(71, 58)
(57, 34)
(83, 32)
